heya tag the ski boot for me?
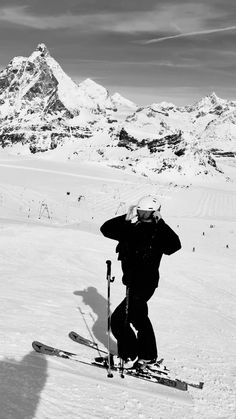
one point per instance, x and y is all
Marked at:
(117, 362)
(153, 366)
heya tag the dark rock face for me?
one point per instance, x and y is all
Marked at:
(170, 141)
(158, 145)
(126, 140)
(7, 139)
(219, 153)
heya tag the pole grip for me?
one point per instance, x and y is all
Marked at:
(108, 262)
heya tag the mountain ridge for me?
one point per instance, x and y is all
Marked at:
(42, 108)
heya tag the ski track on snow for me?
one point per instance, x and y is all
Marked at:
(36, 169)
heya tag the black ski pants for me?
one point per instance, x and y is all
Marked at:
(140, 342)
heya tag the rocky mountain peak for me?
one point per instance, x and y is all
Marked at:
(40, 53)
(214, 98)
(43, 49)
(209, 102)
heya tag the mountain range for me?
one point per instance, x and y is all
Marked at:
(43, 110)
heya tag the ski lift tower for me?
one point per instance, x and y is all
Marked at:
(44, 211)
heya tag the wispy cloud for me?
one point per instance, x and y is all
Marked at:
(118, 22)
(163, 19)
(19, 15)
(188, 34)
(185, 63)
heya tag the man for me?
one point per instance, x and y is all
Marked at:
(142, 237)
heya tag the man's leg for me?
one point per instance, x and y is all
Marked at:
(126, 337)
(147, 348)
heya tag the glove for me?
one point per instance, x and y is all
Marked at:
(132, 214)
(157, 216)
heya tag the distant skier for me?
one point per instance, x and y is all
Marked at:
(143, 237)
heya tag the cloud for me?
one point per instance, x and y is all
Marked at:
(113, 22)
(163, 19)
(19, 15)
(188, 34)
(119, 22)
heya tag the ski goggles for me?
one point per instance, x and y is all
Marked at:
(145, 213)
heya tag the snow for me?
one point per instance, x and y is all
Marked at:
(121, 101)
(53, 281)
(68, 91)
(97, 93)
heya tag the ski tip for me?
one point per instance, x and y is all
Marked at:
(36, 345)
(75, 336)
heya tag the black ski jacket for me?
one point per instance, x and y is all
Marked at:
(140, 248)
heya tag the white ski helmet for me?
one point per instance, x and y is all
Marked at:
(149, 203)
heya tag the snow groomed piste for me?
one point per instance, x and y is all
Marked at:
(192, 311)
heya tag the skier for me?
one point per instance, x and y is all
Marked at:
(142, 237)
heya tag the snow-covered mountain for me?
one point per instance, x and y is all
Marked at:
(123, 102)
(42, 108)
(208, 118)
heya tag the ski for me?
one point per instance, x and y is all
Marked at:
(101, 360)
(87, 342)
(146, 369)
(157, 379)
(52, 351)
(161, 369)
(94, 345)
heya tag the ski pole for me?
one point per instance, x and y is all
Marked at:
(109, 280)
(127, 306)
(125, 325)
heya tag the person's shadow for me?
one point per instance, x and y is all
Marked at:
(21, 383)
(98, 303)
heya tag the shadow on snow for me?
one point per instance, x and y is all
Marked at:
(98, 303)
(21, 386)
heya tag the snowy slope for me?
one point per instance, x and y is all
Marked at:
(53, 280)
(98, 94)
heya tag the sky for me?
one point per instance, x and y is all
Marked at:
(149, 51)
